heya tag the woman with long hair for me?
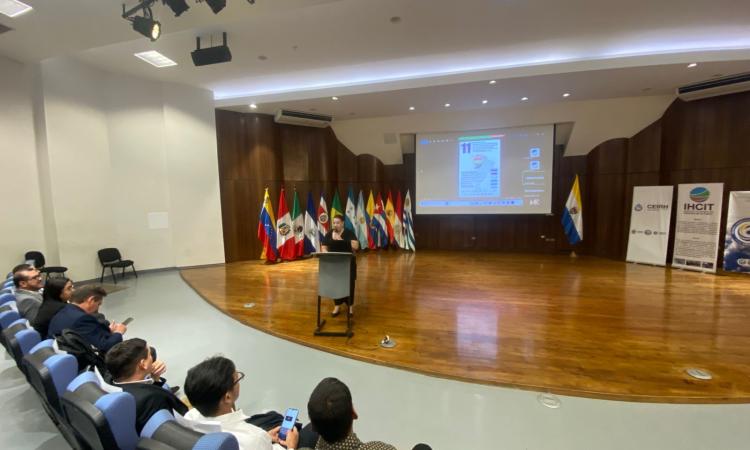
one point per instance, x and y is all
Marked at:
(57, 292)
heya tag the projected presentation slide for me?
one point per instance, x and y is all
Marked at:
(498, 171)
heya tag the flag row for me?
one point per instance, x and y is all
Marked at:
(296, 233)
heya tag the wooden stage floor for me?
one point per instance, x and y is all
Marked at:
(585, 327)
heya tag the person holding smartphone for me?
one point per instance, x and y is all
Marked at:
(340, 239)
(213, 388)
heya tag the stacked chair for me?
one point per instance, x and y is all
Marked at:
(90, 414)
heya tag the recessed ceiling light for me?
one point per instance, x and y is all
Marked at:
(14, 8)
(493, 81)
(447, 105)
(484, 102)
(395, 19)
(155, 58)
(567, 94)
(334, 98)
(523, 99)
(262, 57)
(691, 65)
(253, 106)
(411, 108)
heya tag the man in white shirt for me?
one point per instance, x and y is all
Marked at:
(213, 387)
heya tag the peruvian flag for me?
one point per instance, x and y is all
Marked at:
(284, 231)
(398, 226)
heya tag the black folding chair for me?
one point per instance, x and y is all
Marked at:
(111, 257)
(40, 263)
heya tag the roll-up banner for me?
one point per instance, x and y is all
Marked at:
(649, 224)
(697, 228)
(737, 239)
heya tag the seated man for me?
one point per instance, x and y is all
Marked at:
(332, 415)
(78, 315)
(28, 282)
(134, 369)
(213, 387)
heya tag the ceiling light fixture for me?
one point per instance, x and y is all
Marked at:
(216, 5)
(177, 6)
(334, 98)
(253, 106)
(493, 81)
(155, 58)
(146, 25)
(566, 95)
(691, 65)
(211, 55)
(484, 102)
(13, 8)
(523, 99)
(411, 108)
(447, 105)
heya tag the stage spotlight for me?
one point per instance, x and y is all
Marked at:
(177, 6)
(147, 27)
(216, 5)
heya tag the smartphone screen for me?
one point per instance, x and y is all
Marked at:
(289, 419)
(127, 321)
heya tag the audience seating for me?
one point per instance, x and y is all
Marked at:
(111, 257)
(14, 327)
(39, 263)
(7, 297)
(163, 427)
(21, 343)
(102, 420)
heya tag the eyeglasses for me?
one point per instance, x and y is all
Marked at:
(240, 376)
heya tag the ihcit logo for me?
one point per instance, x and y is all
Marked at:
(699, 194)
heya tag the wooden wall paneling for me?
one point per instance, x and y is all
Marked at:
(456, 232)
(644, 150)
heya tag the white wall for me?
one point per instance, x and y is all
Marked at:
(104, 151)
(21, 227)
(595, 121)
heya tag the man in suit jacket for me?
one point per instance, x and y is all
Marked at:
(28, 283)
(78, 316)
(134, 369)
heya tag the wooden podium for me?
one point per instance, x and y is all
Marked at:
(334, 281)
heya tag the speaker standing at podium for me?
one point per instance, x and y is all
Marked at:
(339, 239)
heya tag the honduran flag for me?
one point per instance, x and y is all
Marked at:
(284, 231)
(312, 241)
(267, 229)
(350, 213)
(572, 217)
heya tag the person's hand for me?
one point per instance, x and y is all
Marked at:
(292, 438)
(274, 433)
(157, 369)
(118, 328)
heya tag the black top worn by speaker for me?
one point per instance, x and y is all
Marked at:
(344, 245)
(150, 398)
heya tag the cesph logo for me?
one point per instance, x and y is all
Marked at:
(638, 207)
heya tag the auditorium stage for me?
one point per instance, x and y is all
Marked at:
(582, 326)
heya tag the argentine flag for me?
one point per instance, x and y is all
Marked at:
(572, 218)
